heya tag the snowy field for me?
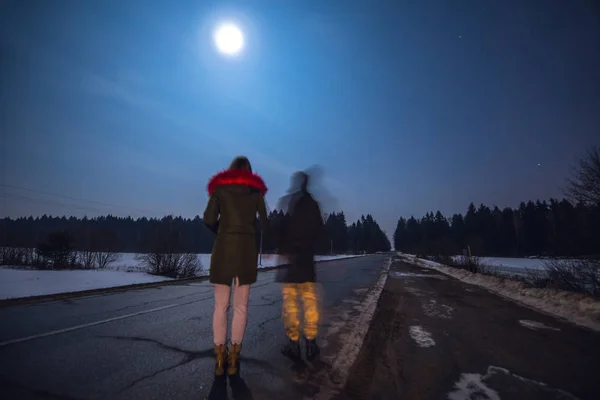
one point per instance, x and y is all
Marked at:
(17, 283)
(127, 261)
(513, 266)
(20, 282)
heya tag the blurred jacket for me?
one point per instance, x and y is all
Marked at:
(299, 232)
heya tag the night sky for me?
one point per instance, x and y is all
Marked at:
(125, 107)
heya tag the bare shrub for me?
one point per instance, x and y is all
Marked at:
(584, 184)
(536, 279)
(472, 264)
(172, 265)
(153, 263)
(32, 258)
(105, 258)
(12, 256)
(20, 257)
(87, 259)
(581, 276)
(188, 265)
(57, 250)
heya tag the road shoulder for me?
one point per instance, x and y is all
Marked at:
(434, 337)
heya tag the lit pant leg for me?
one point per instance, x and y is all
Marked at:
(308, 293)
(290, 310)
(222, 293)
(240, 312)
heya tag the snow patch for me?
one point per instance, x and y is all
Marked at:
(400, 275)
(432, 309)
(536, 325)
(574, 307)
(421, 336)
(473, 386)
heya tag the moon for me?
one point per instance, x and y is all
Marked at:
(229, 39)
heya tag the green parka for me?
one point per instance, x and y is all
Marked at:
(236, 196)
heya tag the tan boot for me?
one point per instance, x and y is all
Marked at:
(233, 360)
(220, 359)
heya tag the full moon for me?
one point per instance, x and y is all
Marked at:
(229, 39)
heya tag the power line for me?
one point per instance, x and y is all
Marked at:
(58, 204)
(49, 202)
(139, 210)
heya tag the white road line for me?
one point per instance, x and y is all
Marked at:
(73, 328)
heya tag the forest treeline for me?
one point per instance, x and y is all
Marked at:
(540, 228)
(182, 235)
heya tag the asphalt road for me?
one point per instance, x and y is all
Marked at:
(156, 343)
(433, 337)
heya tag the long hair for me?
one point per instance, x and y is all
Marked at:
(241, 162)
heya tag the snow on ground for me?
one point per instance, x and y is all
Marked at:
(421, 336)
(19, 282)
(127, 261)
(534, 325)
(575, 307)
(511, 266)
(477, 386)
(515, 263)
(517, 266)
(16, 283)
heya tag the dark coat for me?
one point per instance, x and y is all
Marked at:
(298, 238)
(236, 196)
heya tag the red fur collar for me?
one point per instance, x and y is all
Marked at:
(236, 177)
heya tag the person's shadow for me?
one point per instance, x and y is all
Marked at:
(218, 390)
(239, 389)
(304, 374)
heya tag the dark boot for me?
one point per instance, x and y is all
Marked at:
(292, 349)
(220, 359)
(312, 350)
(233, 361)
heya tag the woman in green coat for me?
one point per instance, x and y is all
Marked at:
(236, 196)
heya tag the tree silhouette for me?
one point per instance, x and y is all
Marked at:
(584, 184)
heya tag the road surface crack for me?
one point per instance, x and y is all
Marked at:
(268, 301)
(188, 356)
(262, 324)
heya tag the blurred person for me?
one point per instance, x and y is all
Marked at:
(236, 195)
(298, 238)
(318, 190)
